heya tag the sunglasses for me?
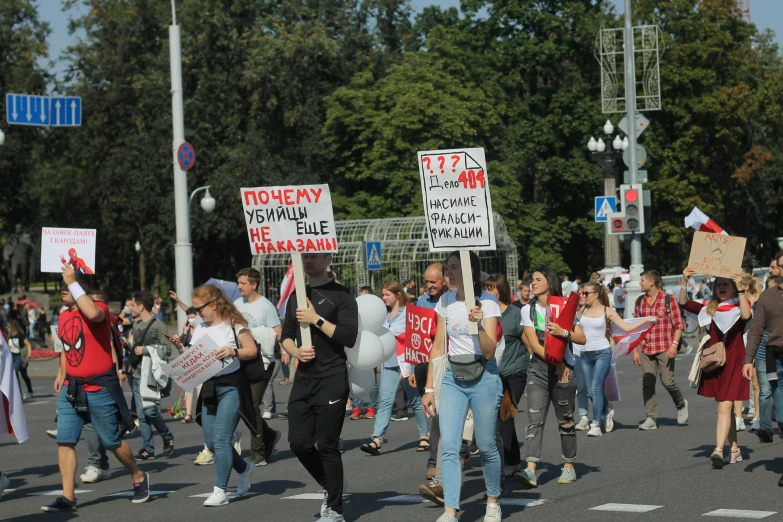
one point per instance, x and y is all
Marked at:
(200, 308)
(585, 294)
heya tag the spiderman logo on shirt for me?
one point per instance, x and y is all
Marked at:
(72, 335)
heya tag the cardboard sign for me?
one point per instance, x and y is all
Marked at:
(457, 202)
(420, 326)
(293, 219)
(58, 344)
(718, 255)
(197, 364)
(75, 246)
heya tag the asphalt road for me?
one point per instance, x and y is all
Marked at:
(658, 475)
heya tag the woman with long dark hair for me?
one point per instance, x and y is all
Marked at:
(20, 354)
(548, 383)
(726, 313)
(471, 381)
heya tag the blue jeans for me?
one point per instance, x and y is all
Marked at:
(148, 417)
(102, 413)
(581, 388)
(595, 367)
(390, 380)
(218, 424)
(483, 396)
(767, 390)
(373, 401)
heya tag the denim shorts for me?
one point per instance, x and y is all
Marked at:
(102, 413)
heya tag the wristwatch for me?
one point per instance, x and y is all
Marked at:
(236, 352)
(320, 322)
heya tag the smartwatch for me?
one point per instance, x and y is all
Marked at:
(320, 322)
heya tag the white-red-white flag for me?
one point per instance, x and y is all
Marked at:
(625, 342)
(12, 419)
(700, 221)
(287, 288)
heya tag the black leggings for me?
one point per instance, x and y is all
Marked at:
(21, 371)
(508, 432)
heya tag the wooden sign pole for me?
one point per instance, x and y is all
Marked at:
(301, 297)
(467, 280)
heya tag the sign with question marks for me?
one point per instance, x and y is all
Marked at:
(457, 202)
(718, 255)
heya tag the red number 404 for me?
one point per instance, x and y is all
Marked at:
(472, 179)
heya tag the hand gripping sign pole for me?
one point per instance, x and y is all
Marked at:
(458, 208)
(294, 219)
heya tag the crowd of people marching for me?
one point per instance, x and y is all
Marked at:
(486, 355)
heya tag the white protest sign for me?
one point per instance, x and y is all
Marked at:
(75, 246)
(58, 344)
(293, 219)
(197, 364)
(457, 202)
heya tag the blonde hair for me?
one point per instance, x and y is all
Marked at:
(396, 288)
(712, 306)
(225, 311)
(753, 286)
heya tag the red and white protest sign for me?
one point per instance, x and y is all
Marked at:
(420, 326)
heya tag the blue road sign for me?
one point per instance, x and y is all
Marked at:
(26, 109)
(372, 251)
(66, 111)
(186, 156)
(603, 206)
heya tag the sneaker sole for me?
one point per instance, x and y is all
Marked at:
(216, 505)
(203, 463)
(569, 481)
(425, 492)
(525, 481)
(648, 429)
(143, 500)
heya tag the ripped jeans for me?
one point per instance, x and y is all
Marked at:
(543, 387)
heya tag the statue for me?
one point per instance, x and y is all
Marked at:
(18, 258)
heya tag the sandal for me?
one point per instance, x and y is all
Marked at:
(736, 456)
(717, 458)
(424, 445)
(187, 419)
(372, 447)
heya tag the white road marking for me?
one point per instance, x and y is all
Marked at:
(309, 496)
(130, 493)
(739, 513)
(527, 502)
(231, 494)
(55, 493)
(405, 499)
(627, 508)
(33, 403)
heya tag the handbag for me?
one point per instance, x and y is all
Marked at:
(467, 368)
(713, 357)
(253, 369)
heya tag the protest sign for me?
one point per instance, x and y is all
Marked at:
(293, 219)
(58, 344)
(718, 255)
(420, 326)
(74, 246)
(198, 364)
(457, 202)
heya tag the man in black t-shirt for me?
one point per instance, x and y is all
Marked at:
(316, 406)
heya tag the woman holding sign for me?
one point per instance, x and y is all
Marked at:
(471, 381)
(548, 382)
(395, 299)
(726, 313)
(226, 396)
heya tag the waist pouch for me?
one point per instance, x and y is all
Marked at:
(467, 368)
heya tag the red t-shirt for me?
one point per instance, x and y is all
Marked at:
(86, 345)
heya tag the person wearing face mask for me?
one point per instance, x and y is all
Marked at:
(727, 314)
(553, 384)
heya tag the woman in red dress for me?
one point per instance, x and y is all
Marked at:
(726, 313)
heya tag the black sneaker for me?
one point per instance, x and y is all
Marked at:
(168, 445)
(397, 417)
(61, 504)
(269, 445)
(141, 491)
(144, 455)
(764, 435)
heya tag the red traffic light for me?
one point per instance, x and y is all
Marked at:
(631, 196)
(618, 224)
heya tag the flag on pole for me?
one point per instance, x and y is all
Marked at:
(12, 419)
(700, 221)
(625, 343)
(287, 288)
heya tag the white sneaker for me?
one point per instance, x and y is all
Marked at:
(583, 425)
(682, 414)
(217, 498)
(324, 507)
(266, 415)
(4, 483)
(92, 474)
(238, 442)
(52, 434)
(595, 431)
(331, 516)
(493, 513)
(740, 422)
(609, 421)
(204, 458)
(245, 479)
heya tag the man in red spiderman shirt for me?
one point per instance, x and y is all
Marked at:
(76, 262)
(89, 390)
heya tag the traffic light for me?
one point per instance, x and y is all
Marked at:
(630, 219)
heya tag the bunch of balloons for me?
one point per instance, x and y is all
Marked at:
(374, 345)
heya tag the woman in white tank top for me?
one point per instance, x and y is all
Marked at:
(596, 354)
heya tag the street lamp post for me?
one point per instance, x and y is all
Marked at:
(207, 204)
(2, 137)
(608, 159)
(142, 275)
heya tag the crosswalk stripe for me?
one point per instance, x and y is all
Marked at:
(33, 403)
(404, 499)
(231, 494)
(739, 513)
(310, 496)
(55, 493)
(627, 508)
(527, 502)
(130, 493)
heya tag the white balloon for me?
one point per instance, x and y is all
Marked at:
(362, 382)
(388, 341)
(367, 353)
(372, 312)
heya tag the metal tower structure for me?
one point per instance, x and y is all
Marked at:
(744, 6)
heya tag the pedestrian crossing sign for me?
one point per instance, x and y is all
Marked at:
(604, 205)
(373, 255)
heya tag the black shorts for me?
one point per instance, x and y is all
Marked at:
(320, 391)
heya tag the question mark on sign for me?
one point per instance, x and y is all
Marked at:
(441, 160)
(427, 160)
(454, 165)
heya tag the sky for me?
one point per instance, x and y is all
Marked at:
(765, 14)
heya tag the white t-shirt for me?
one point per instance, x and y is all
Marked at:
(618, 293)
(456, 315)
(260, 312)
(543, 319)
(223, 336)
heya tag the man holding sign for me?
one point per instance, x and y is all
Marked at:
(316, 406)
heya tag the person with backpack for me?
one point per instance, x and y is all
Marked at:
(548, 383)
(657, 351)
(148, 334)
